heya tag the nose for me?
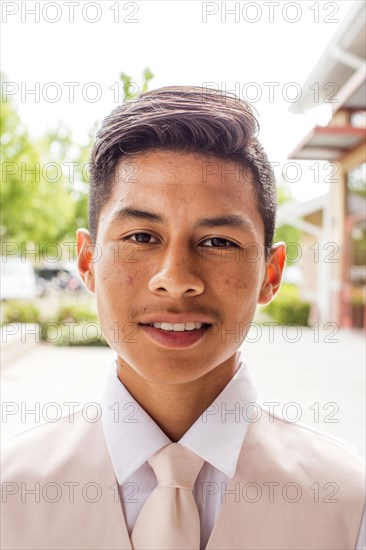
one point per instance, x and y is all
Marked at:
(177, 276)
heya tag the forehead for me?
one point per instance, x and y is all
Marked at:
(186, 171)
(177, 182)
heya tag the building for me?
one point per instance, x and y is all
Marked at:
(333, 227)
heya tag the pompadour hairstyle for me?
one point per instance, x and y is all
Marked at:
(187, 119)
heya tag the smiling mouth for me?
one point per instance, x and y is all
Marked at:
(178, 327)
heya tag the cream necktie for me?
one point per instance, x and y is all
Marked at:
(169, 519)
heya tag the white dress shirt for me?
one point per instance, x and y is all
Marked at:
(217, 436)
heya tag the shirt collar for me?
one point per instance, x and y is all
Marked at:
(131, 434)
(217, 436)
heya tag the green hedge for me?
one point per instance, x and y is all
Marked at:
(16, 311)
(87, 331)
(68, 325)
(75, 313)
(287, 308)
(66, 334)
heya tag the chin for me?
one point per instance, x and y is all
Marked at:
(173, 371)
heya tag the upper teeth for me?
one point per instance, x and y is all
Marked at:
(177, 327)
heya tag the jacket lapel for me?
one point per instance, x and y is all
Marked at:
(112, 529)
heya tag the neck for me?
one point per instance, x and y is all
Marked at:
(175, 407)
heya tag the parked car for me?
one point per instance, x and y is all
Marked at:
(57, 276)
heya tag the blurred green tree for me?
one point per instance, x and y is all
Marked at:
(36, 205)
(42, 199)
(129, 90)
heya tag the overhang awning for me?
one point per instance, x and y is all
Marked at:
(328, 143)
(294, 212)
(342, 60)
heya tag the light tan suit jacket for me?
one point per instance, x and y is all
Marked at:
(293, 489)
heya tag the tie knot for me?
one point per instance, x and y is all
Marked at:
(176, 466)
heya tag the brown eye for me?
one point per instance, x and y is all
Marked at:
(142, 238)
(218, 242)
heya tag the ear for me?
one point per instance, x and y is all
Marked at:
(273, 275)
(85, 254)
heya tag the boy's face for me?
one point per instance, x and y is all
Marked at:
(189, 249)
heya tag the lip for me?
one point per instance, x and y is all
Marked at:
(176, 318)
(173, 339)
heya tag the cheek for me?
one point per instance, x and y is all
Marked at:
(239, 277)
(115, 280)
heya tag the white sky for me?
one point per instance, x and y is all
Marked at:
(180, 48)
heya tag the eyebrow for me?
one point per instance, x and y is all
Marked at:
(134, 213)
(230, 220)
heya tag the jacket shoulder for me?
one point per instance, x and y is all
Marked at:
(303, 451)
(49, 446)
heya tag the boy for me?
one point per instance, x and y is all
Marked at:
(179, 254)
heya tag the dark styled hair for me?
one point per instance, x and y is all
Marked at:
(188, 119)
